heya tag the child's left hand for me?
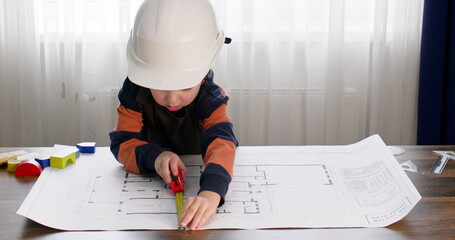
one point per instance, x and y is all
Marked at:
(199, 209)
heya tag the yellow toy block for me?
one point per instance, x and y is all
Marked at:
(12, 165)
(60, 159)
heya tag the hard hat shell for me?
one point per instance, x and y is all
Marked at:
(173, 43)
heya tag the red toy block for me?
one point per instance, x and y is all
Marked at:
(28, 168)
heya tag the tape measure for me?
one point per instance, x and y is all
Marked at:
(179, 205)
(178, 189)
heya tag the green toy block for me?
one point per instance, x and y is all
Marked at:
(60, 159)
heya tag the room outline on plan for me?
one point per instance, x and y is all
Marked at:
(249, 192)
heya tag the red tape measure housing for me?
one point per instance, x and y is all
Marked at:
(176, 183)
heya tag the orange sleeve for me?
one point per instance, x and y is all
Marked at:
(219, 115)
(221, 152)
(127, 154)
(129, 121)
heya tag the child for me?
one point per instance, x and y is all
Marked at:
(169, 104)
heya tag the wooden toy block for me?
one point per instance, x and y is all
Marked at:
(86, 147)
(28, 168)
(28, 156)
(12, 165)
(60, 159)
(5, 157)
(43, 161)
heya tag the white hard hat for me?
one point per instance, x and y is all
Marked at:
(173, 43)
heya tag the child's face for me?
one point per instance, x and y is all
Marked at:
(175, 100)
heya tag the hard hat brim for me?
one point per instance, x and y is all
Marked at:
(166, 79)
(140, 74)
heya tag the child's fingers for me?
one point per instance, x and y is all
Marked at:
(202, 208)
(187, 206)
(165, 173)
(162, 166)
(197, 211)
(158, 168)
(205, 217)
(182, 169)
(164, 169)
(174, 164)
(188, 212)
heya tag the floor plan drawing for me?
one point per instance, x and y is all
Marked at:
(148, 194)
(358, 185)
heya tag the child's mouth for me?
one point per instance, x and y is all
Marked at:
(173, 109)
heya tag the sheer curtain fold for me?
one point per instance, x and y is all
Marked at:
(298, 71)
(322, 72)
(19, 74)
(62, 64)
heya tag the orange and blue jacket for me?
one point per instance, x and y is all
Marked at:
(145, 129)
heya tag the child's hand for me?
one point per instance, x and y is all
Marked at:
(167, 163)
(199, 209)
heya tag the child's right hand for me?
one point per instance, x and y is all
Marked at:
(167, 163)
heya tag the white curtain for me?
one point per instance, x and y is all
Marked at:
(62, 63)
(298, 71)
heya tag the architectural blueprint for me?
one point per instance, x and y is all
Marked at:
(358, 185)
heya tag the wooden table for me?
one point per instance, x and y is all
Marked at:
(432, 218)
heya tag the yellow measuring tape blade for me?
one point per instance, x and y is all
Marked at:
(179, 205)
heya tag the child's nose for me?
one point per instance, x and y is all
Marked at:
(172, 98)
